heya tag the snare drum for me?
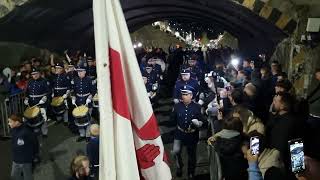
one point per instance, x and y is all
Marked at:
(81, 115)
(33, 116)
(58, 106)
(95, 101)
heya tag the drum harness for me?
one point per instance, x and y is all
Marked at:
(83, 95)
(60, 88)
(37, 96)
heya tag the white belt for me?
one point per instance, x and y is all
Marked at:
(314, 116)
(60, 88)
(36, 96)
(83, 95)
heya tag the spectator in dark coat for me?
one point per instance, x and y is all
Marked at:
(93, 150)
(281, 127)
(228, 144)
(275, 70)
(4, 88)
(250, 98)
(266, 83)
(24, 148)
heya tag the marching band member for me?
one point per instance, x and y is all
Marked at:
(83, 91)
(187, 114)
(61, 88)
(37, 95)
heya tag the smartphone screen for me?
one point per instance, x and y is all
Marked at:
(297, 155)
(254, 145)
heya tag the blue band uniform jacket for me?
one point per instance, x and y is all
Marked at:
(183, 115)
(82, 89)
(36, 90)
(61, 84)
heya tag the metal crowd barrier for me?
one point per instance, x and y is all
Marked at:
(12, 104)
(215, 168)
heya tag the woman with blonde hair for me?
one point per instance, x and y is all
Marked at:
(79, 168)
(249, 121)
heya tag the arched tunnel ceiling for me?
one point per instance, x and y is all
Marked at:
(60, 24)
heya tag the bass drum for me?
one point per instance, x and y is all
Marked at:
(33, 116)
(81, 115)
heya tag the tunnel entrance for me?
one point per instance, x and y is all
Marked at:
(58, 24)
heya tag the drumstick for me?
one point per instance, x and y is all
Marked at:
(34, 106)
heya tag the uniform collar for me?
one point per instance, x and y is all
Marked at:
(187, 104)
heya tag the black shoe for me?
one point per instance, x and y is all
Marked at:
(65, 124)
(36, 160)
(58, 122)
(81, 139)
(179, 172)
(191, 177)
(44, 136)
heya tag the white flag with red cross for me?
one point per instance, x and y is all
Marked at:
(130, 143)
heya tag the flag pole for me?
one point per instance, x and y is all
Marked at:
(107, 170)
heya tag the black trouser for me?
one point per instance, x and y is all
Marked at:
(72, 125)
(192, 154)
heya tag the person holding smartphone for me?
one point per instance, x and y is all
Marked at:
(253, 170)
(311, 171)
(260, 158)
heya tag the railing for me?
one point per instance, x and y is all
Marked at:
(12, 104)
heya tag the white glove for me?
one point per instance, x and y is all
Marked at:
(200, 102)
(43, 100)
(176, 101)
(73, 100)
(52, 95)
(88, 101)
(197, 123)
(201, 96)
(65, 96)
(26, 101)
(155, 86)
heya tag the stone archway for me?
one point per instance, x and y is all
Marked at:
(60, 24)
